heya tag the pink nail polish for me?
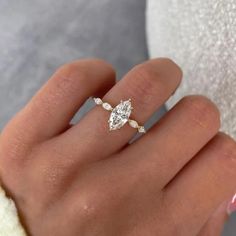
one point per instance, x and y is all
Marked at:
(232, 205)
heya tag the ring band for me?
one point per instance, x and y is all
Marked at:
(120, 115)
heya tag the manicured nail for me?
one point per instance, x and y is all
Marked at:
(232, 205)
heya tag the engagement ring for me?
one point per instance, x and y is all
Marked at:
(120, 115)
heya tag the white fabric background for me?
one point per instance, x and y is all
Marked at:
(200, 36)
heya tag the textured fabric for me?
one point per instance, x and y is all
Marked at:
(9, 221)
(200, 36)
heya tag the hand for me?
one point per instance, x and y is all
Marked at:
(87, 180)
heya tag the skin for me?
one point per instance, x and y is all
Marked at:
(85, 180)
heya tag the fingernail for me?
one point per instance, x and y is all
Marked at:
(232, 205)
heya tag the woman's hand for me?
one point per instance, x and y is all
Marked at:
(87, 180)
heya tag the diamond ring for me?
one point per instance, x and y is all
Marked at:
(120, 115)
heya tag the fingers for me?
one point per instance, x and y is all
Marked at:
(175, 139)
(51, 110)
(148, 85)
(203, 184)
(215, 224)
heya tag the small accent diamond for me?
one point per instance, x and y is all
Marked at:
(107, 106)
(98, 101)
(141, 129)
(133, 124)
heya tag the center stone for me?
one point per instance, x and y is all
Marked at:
(120, 115)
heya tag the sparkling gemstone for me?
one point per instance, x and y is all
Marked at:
(98, 101)
(107, 106)
(141, 129)
(120, 115)
(133, 123)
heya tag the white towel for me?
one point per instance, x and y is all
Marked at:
(9, 221)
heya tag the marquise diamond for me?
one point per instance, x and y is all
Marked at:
(120, 115)
(107, 106)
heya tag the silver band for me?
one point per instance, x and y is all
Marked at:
(120, 115)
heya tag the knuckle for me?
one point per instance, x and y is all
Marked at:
(167, 68)
(157, 77)
(145, 83)
(202, 111)
(67, 75)
(68, 79)
(75, 76)
(82, 68)
(227, 147)
(145, 75)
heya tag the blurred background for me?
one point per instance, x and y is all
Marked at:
(36, 37)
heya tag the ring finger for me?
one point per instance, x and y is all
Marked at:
(148, 86)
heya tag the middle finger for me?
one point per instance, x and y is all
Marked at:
(174, 140)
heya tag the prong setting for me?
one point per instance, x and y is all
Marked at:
(120, 115)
